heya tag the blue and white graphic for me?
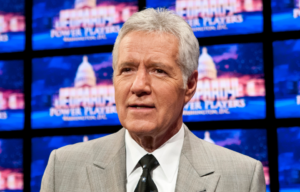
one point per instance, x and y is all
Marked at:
(73, 91)
(289, 159)
(12, 26)
(11, 165)
(60, 24)
(11, 95)
(287, 78)
(217, 18)
(231, 84)
(285, 15)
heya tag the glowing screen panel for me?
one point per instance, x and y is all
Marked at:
(217, 18)
(286, 78)
(289, 159)
(11, 165)
(12, 26)
(231, 84)
(285, 15)
(11, 95)
(60, 24)
(41, 149)
(250, 142)
(73, 91)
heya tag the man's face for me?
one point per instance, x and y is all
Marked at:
(148, 83)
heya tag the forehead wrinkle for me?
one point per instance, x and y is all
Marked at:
(157, 61)
(145, 44)
(139, 51)
(126, 64)
(148, 56)
(154, 53)
(129, 57)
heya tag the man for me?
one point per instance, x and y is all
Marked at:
(155, 60)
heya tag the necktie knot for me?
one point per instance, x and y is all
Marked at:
(146, 184)
(148, 162)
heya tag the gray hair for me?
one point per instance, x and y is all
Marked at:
(163, 20)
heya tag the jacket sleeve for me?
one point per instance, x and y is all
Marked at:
(258, 183)
(48, 181)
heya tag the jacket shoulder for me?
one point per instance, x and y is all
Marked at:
(237, 172)
(224, 154)
(85, 151)
(225, 160)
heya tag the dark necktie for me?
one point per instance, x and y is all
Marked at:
(146, 184)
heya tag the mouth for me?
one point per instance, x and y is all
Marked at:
(141, 106)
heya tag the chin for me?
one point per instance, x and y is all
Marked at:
(141, 127)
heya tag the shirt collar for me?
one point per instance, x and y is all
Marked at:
(168, 155)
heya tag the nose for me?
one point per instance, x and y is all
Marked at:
(141, 83)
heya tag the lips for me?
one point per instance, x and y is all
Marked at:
(141, 106)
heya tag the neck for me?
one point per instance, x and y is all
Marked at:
(152, 142)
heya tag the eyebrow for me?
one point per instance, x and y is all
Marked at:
(126, 64)
(161, 65)
(154, 64)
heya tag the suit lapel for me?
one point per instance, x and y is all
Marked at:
(188, 179)
(108, 172)
(196, 171)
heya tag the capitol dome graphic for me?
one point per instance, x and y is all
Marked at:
(206, 66)
(85, 75)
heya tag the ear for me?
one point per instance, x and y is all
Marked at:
(191, 86)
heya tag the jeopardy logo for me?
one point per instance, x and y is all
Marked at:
(217, 94)
(86, 100)
(215, 15)
(88, 21)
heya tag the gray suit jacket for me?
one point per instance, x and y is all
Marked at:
(100, 166)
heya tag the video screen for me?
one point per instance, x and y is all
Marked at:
(217, 18)
(285, 15)
(12, 26)
(250, 142)
(287, 78)
(73, 91)
(289, 159)
(41, 149)
(60, 24)
(231, 84)
(11, 95)
(11, 165)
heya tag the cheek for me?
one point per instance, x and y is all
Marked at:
(118, 94)
(122, 90)
(169, 95)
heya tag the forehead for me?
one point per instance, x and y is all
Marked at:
(139, 45)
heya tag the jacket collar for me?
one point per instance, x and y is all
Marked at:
(105, 152)
(196, 169)
(195, 152)
(108, 172)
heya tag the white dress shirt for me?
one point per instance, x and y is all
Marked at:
(168, 156)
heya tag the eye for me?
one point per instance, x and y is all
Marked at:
(159, 71)
(124, 70)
